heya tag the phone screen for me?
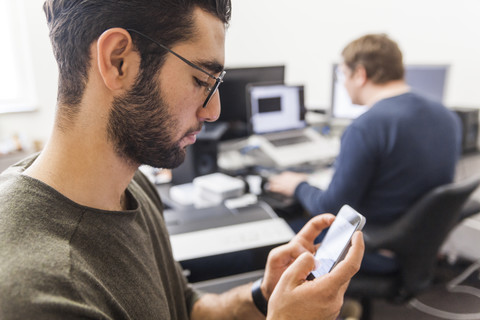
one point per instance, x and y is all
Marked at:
(337, 240)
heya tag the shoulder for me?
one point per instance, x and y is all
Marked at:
(371, 121)
(34, 226)
(405, 107)
(34, 264)
(35, 230)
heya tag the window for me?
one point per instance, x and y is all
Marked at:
(16, 77)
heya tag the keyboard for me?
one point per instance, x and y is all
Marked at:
(280, 142)
(314, 148)
(230, 238)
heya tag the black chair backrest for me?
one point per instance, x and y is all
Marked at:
(418, 235)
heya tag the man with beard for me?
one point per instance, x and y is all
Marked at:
(81, 229)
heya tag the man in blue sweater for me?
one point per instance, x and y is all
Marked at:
(401, 148)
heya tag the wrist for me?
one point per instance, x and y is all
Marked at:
(264, 288)
(258, 296)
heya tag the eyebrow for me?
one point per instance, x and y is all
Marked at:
(211, 65)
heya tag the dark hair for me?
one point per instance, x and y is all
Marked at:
(379, 55)
(76, 24)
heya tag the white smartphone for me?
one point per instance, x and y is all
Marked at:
(336, 242)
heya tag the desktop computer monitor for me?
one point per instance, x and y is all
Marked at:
(429, 80)
(233, 95)
(275, 107)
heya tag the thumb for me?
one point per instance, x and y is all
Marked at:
(298, 271)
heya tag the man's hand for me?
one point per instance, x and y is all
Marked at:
(293, 297)
(280, 258)
(297, 298)
(290, 295)
(286, 182)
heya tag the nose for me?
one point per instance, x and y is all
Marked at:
(211, 112)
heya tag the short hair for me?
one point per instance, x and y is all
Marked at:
(378, 54)
(75, 24)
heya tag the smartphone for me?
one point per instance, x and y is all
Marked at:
(335, 245)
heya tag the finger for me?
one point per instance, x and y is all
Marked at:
(343, 288)
(296, 250)
(347, 268)
(284, 255)
(274, 185)
(278, 188)
(313, 228)
(276, 178)
(298, 271)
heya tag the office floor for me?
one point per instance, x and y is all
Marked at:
(439, 302)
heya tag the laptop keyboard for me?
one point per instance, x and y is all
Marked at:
(280, 142)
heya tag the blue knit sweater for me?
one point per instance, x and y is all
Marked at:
(390, 156)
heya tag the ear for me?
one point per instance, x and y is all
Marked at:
(360, 75)
(117, 60)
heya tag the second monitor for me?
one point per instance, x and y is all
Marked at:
(429, 80)
(233, 95)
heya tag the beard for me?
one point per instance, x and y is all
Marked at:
(141, 129)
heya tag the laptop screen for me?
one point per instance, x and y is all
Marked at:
(275, 107)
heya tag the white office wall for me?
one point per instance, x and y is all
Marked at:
(307, 36)
(36, 125)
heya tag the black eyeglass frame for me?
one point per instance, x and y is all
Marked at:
(218, 80)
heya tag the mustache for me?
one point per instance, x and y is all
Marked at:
(195, 129)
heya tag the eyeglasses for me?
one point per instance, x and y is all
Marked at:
(209, 90)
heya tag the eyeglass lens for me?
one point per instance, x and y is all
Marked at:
(214, 88)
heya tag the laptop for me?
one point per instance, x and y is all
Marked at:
(277, 124)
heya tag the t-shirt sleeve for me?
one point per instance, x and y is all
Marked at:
(192, 295)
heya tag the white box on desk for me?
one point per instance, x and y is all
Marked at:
(217, 187)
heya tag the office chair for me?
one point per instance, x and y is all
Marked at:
(415, 239)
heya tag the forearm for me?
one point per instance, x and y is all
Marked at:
(234, 304)
(310, 197)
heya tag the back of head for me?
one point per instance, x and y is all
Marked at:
(75, 24)
(378, 54)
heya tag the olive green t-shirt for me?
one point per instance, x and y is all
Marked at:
(61, 260)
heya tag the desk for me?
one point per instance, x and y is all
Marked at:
(217, 272)
(218, 241)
